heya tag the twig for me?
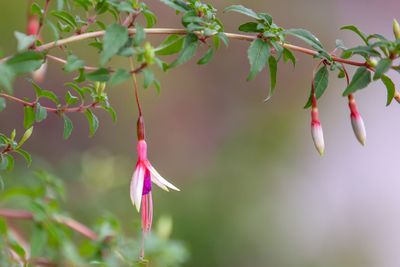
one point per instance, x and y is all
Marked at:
(71, 223)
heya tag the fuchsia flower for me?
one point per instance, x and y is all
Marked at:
(357, 122)
(141, 183)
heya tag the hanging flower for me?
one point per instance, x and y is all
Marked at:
(143, 177)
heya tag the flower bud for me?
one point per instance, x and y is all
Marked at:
(396, 29)
(358, 127)
(39, 74)
(356, 121)
(316, 132)
(373, 62)
(33, 25)
(397, 96)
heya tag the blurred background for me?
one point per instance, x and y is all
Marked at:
(254, 190)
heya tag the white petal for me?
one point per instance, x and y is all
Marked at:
(157, 177)
(158, 183)
(139, 187)
(133, 186)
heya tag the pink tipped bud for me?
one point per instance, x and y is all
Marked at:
(359, 128)
(39, 74)
(357, 122)
(316, 132)
(397, 96)
(33, 25)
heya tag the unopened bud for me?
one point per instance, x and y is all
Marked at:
(33, 25)
(397, 96)
(359, 128)
(39, 74)
(373, 62)
(396, 29)
(316, 132)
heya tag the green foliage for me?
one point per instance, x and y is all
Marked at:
(360, 80)
(320, 82)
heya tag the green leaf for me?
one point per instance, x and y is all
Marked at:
(273, 69)
(188, 51)
(115, 38)
(151, 18)
(243, 10)
(40, 93)
(391, 90)
(360, 80)
(249, 27)
(9, 162)
(40, 113)
(93, 122)
(119, 76)
(68, 126)
(357, 31)
(288, 55)
(24, 41)
(25, 62)
(3, 104)
(148, 77)
(321, 80)
(70, 99)
(178, 5)
(306, 36)
(382, 67)
(66, 18)
(7, 77)
(207, 57)
(100, 75)
(38, 240)
(258, 54)
(171, 45)
(140, 35)
(111, 111)
(73, 63)
(29, 116)
(25, 155)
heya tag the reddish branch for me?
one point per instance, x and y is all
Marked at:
(49, 109)
(71, 223)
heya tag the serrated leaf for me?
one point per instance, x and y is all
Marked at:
(360, 80)
(382, 67)
(306, 36)
(273, 69)
(171, 45)
(73, 63)
(29, 116)
(206, 57)
(321, 80)
(40, 113)
(188, 51)
(258, 54)
(391, 90)
(357, 31)
(93, 122)
(25, 155)
(24, 41)
(100, 75)
(70, 99)
(119, 76)
(242, 10)
(288, 55)
(115, 38)
(68, 126)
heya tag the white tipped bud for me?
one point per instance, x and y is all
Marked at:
(359, 128)
(39, 74)
(318, 137)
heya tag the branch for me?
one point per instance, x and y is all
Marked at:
(161, 31)
(49, 109)
(71, 223)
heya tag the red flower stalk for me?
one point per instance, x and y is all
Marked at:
(356, 121)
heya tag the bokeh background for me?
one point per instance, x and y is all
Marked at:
(254, 190)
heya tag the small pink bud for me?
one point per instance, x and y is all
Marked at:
(33, 25)
(397, 96)
(359, 128)
(316, 132)
(357, 122)
(39, 74)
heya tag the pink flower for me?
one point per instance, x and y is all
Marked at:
(141, 184)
